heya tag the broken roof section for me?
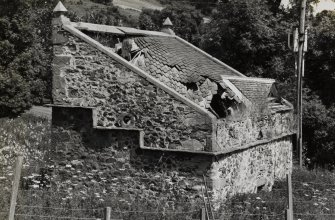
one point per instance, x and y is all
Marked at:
(170, 58)
(188, 70)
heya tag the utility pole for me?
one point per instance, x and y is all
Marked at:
(301, 48)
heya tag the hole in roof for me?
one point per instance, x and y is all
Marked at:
(222, 105)
(192, 86)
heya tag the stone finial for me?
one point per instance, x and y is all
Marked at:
(58, 15)
(167, 22)
(167, 25)
(60, 7)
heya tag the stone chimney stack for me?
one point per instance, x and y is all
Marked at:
(167, 27)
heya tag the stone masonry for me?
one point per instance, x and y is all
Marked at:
(118, 129)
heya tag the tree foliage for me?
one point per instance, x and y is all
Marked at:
(320, 60)
(25, 52)
(247, 35)
(186, 21)
(318, 132)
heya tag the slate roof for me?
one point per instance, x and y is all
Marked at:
(170, 58)
(256, 90)
(177, 64)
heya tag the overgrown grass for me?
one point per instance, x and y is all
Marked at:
(28, 135)
(313, 198)
(313, 191)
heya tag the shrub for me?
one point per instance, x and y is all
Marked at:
(15, 94)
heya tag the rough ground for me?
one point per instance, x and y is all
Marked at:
(41, 111)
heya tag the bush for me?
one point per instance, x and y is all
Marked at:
(15, 94)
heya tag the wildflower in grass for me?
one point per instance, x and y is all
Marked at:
(258, 198)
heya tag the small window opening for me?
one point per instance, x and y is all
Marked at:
(127, 119)
(260, 187)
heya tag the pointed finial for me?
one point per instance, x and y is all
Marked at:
(167, 22)
(60, 7)
(167, 25)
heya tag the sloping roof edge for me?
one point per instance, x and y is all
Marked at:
(117, 30)
(100, 47)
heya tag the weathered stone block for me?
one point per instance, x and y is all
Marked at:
(59, 38)
(62, 60)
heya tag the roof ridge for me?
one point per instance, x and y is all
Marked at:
(254, 79)
(70, 28)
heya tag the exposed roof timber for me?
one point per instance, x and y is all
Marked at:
(239, 97)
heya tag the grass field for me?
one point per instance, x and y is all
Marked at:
(138, 4)
(128, 8)
(313, 191)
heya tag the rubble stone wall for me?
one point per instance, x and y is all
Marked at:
(246, 170)
(84, 76)
(109, 162)
(232, 133)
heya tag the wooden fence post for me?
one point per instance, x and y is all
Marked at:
(203, 214)
(15, 187)
(289, 211)
(108, 213)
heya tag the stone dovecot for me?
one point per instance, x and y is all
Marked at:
(154, 106)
